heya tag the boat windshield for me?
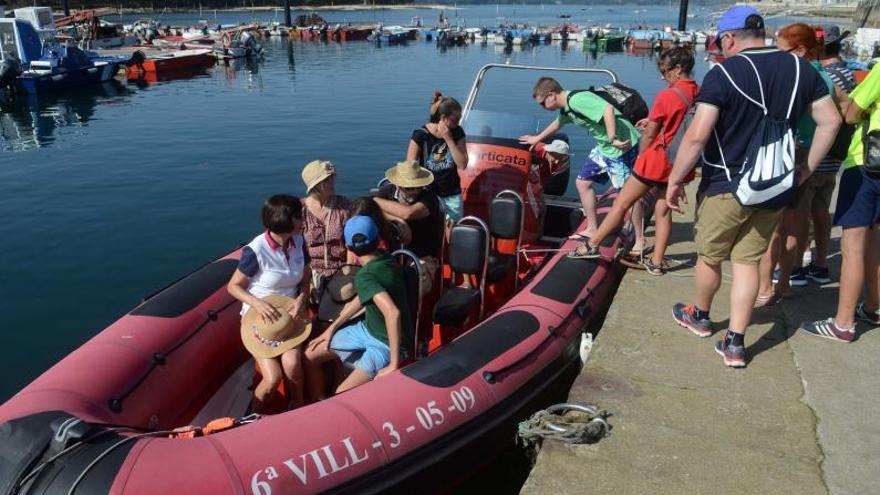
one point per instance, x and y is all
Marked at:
(501, 125)
(7, 41)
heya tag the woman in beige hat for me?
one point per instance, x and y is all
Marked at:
(323, 220)
(272, 281)
(408, 198)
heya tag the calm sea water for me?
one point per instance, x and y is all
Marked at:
(112, 192)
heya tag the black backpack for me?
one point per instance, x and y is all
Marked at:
(840, 149)
(625, 100)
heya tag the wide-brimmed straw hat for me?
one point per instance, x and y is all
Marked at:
(315, 172)
(339, 290)
(268, 340)
(409, 174)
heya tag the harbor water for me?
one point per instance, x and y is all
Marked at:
(111, 193)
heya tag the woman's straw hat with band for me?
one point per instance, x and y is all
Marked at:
(409, 174)
(268, 340)
(315, 172)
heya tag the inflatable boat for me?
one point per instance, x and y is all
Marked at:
(482, 357)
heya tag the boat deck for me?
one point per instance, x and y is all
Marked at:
(801, 418)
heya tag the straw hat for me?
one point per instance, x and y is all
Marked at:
(268, 340)
(409, 174)
(315, 172)
(338, 292)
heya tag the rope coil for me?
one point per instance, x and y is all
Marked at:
(568, 423)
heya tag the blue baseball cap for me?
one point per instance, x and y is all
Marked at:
(363, 225)
(739, 17)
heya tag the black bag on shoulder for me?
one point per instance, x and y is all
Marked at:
(871, 149)
(625, 100)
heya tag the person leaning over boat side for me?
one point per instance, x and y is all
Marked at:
(371, 344)
(441, 147)
(858, 213)
(724, 125)
(324, 217)
(790, 238)
(615, 151)
(407, 198)
(276, 263)
(394, 233)
(653, 164)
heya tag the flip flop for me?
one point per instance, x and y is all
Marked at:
(579, 237)
(768, 300)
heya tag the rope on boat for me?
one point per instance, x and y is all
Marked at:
(568, 423)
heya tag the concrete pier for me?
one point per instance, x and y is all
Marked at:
(801, 418)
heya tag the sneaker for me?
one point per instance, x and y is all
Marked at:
(733, 355)
(684, 316)
(818, 274)
(591, 252)
(653, 269)
(798, 277)
(828, 329)
(864, 315)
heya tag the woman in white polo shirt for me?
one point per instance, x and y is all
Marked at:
(276, 263)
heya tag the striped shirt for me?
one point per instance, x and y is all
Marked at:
(842, 77)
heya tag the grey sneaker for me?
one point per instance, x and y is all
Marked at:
(733, 355)
(684, 316)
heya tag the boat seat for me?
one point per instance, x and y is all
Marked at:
(499, 266)
(468, 250)
(505, 222)
(455, 305)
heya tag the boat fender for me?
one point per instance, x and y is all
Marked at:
(10, 69)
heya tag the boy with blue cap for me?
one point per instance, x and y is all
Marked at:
(373, 343)
(755, 87)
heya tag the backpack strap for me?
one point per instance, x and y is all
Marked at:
(762, 103)
(687, 102)
(571, 110)
(797, 78)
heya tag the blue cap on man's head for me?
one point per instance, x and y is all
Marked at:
(739, 17)
(360, 225)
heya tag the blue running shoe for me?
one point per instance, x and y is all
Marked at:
(733, 355)
(684, 316)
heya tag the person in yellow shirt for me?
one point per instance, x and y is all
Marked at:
(858, 213)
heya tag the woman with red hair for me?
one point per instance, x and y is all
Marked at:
(814, 195)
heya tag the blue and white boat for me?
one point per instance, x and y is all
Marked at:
(45, 65)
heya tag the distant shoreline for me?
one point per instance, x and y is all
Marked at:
(322, 8)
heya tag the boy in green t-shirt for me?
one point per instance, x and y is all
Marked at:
(615, 151)
(372, 344)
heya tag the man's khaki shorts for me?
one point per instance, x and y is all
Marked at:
(815, 193)
(724, 228)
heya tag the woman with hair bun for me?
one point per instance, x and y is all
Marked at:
(440, 146)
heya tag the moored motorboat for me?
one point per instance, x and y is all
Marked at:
(101, 420)
(45, 66)
(142, 62)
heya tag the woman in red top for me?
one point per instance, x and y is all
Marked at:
(654, 163)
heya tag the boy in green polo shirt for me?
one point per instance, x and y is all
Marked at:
(372, 344)
(615, 151)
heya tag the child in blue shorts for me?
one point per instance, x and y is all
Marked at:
(616, 138)
(371, 344)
